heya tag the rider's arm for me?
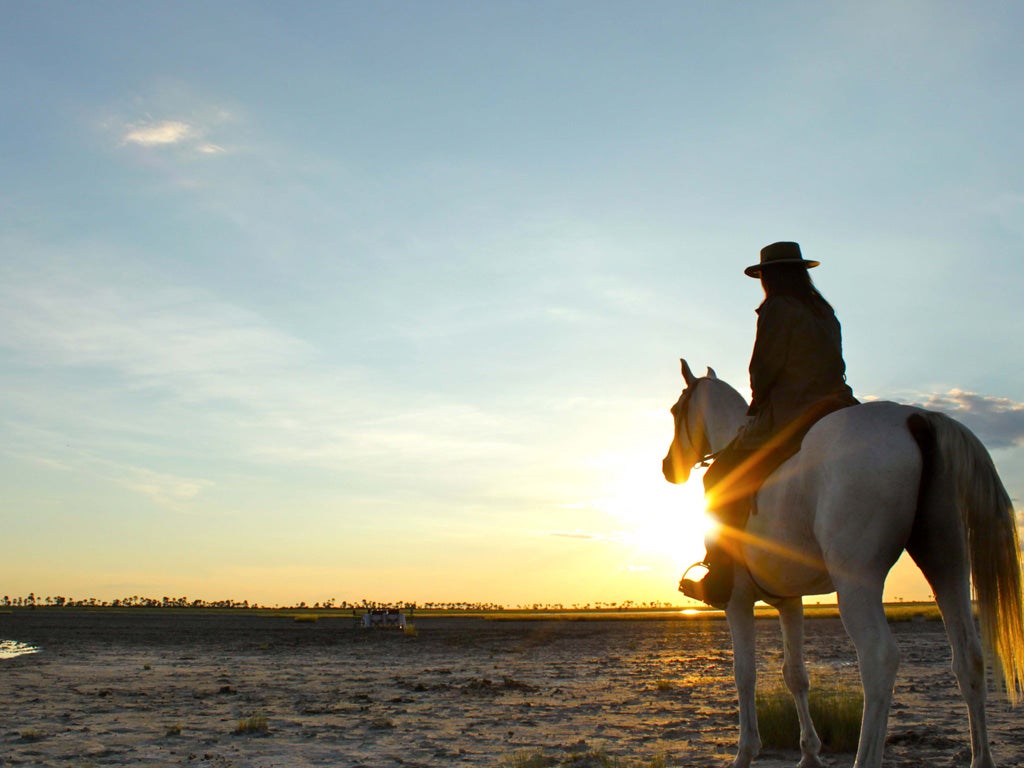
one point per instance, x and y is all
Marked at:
(774, 325)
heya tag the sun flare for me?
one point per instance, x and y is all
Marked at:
(658, 518)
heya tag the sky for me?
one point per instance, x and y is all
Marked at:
(386, 300)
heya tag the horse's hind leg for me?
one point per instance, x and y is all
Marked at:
(794, 672)
(943, 561)
(860, 605)
(968, 666)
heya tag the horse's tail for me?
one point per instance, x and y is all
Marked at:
(992, 540)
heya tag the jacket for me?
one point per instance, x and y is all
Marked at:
(797, 364)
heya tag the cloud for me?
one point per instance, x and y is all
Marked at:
(163, 488)
(192, 129)
(997, 421)
(159, 133)
(140, 373)
(577, 535)
(53, 450)
(169, 339)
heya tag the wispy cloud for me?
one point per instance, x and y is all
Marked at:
(50, 449)
(188, 126)
(581, 535)
(141, 374)
(165, 489)
(155, 134)
(169, 339)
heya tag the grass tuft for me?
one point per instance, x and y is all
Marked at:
(529, 758)
(835, 709)
(254, 723)
(592, 758)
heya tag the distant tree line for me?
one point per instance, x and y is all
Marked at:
(137, 601)
(134, 601)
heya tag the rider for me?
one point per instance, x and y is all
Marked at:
(797, 376)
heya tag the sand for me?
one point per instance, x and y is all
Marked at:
(143, 689)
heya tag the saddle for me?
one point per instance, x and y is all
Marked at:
(731, 485)
(742, 467)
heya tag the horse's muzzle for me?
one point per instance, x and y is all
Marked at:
(674, 470)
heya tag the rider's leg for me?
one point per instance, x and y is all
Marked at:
(729, 504)
(721, 548)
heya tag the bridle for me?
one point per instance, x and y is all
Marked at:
(681, 410)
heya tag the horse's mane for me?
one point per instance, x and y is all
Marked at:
(726, 389)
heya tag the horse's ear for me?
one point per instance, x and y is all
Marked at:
(711, 373)
(688, 376)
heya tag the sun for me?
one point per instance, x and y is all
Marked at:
(657, 518)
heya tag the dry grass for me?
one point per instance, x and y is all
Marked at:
(590, 758)
(912, 612)
(254, 723)
(835, 710)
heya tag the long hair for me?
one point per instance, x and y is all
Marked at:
(793, 280)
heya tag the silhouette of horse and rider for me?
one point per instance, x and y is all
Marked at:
(815, 493)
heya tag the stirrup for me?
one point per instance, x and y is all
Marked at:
(694, 588)
(699, 564)
(698, 590)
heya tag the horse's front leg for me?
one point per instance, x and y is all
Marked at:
(740, 613)
(794, 672)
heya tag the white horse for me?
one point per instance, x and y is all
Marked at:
(868, 482)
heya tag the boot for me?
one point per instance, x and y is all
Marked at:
(715, 588)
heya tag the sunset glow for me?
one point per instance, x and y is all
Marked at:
(386, 302)
(662, 519)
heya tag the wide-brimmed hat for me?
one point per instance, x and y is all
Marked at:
(779, 253)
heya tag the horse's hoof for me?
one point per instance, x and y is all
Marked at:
(743, 759)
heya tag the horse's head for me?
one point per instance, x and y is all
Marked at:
(690, 444)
